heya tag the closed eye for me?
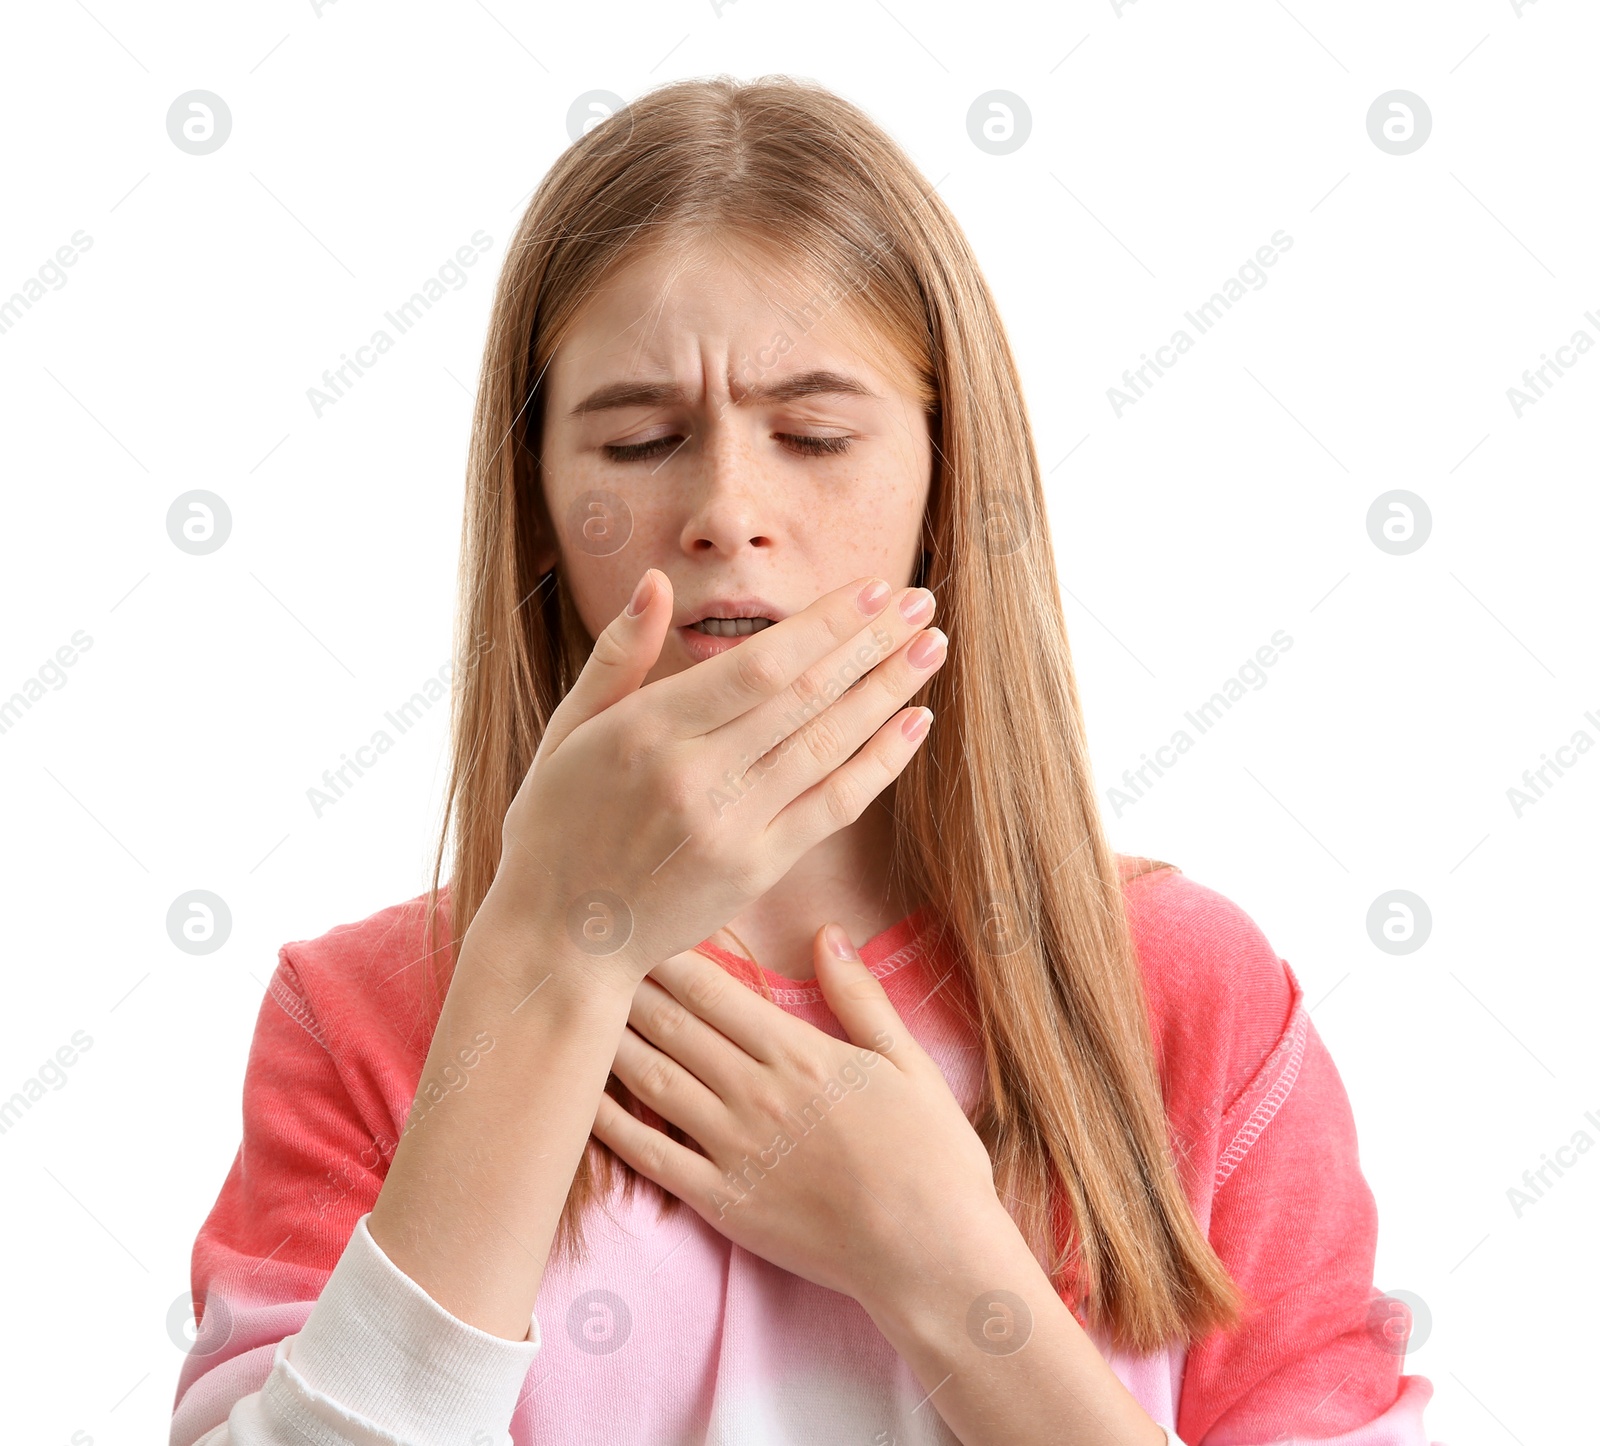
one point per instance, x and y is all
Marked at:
(814, 446)
(661, 446)
(639, 451)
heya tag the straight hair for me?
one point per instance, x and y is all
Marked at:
(996, 819)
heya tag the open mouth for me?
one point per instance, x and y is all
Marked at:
(730, 627)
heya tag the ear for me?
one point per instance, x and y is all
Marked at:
(546, 554)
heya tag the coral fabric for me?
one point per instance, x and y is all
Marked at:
(696, 1340)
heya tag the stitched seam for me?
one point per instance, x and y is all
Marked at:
(1262, 1115)
(284, 1397)
(296, 1008)
(902, 956)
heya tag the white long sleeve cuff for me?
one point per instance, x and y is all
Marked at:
(379, 1362)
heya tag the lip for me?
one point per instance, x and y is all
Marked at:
(733, 607)
(701, 646)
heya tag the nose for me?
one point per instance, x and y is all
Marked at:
(732, 506)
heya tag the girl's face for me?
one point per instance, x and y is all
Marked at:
(734, 434)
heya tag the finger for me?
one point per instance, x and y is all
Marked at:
(723, 1002)
(624, 653)
(855, 996)
(842, 797)
(759, 669)
(828, 679)
(659, 1081)
(709, 1055)
(655, 1155)
(827, 740)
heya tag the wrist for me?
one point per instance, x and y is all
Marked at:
(961, 1282)
(531, 954)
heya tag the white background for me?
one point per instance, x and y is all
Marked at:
(1167, 144)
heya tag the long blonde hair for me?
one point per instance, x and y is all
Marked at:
(996, 819)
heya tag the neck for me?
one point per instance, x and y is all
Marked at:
(843, 880)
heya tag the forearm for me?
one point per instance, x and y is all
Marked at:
(997, 1373)
(477, 1185)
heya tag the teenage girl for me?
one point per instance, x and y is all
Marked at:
(788, 1060)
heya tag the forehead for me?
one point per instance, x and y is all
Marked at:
(676, 310)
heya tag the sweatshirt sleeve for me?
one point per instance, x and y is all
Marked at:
(1320, 1352)
(307, 1331)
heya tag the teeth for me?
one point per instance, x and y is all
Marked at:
(731, 627)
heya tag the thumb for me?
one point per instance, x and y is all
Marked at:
(623, 654)
(858, 1001)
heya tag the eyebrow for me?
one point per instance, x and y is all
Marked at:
(788, 389)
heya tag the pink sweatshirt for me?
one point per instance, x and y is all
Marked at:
(670, 1334)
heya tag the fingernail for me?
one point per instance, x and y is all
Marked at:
(873, 596)
(642, 595)
(916, 724)
(927, 650)
(839, 942)
(917, 605)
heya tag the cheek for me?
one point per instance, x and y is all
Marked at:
(592, 511)
(602, 515)
(884, 501)
(872, 524)
(609, 531)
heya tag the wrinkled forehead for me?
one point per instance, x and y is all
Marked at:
(747, 311)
